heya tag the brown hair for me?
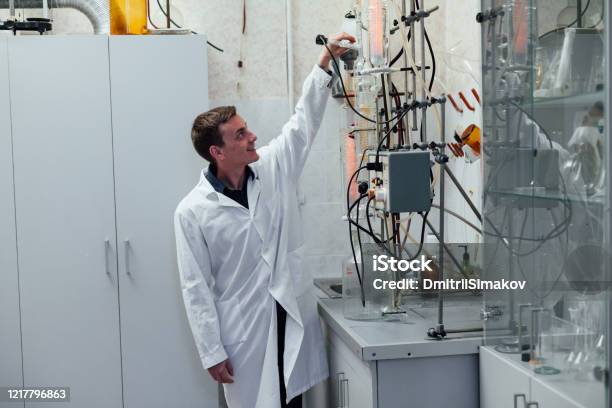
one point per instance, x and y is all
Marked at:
(205, 129)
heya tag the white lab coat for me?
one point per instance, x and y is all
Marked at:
(234, 263)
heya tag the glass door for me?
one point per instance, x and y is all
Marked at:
(545, 203)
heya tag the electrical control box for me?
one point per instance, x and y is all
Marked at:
(405, 182)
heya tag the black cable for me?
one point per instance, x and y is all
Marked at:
(520, 265)
(433, 64)
(563, 226)
(569, 25)
(371, 232)
(360, 247)
(433, 57)
(149, 15)
(385, 106)
(211, 44)
(398, 103)
(524, 112)
(597, 23)
(386, 135)
(176, 25)
(368, 219)
(399, 54)
(421, 240)
(550, 235)
(401, 51)
(348, 101)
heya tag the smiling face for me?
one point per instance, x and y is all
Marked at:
(238, 148)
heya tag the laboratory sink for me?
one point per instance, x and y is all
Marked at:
(332, 287)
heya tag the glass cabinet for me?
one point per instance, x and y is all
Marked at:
(546, 193)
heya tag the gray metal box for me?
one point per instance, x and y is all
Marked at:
(406, 179)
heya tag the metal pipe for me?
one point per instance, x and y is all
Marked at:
(168, 19)
(511, 302)
(448, 251)
(407, 139)
(423, 93)
(96, 11)
(463, 193)
(413, 52)
(607, 220)
(440, 327)
(492, 69)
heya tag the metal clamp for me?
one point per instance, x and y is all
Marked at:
(491, 14)
(491, 312)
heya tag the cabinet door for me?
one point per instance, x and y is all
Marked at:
(159, 85)
(351, 382)
(65, 217)
(583, 394)
(10, 338)
(336, 376)
(500, 382)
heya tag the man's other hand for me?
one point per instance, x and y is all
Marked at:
(325, 58)
(222, 372)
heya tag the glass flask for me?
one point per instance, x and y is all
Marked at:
(363, 301)
(355, 304)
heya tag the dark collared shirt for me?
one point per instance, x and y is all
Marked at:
(240, 196)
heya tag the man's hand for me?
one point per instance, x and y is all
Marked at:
(325, 58)
(222, 372)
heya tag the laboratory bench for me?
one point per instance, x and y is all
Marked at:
(378, 364)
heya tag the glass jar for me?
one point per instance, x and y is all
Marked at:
(128, 17)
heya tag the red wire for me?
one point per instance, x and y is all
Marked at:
(454, 103)
(475, 93)
(465, 101)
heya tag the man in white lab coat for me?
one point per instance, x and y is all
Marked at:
(249, 303)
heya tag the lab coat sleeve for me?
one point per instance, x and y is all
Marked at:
(290, 149)
(196, 279)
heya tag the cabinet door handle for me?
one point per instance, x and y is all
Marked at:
(340, 400)
(126, 255)
(516, 398)
(106, 251)
(345, 399)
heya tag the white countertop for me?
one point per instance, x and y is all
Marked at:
(380, 340)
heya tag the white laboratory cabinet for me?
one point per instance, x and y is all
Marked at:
(10, 331)
(100, 131)
(375, 364)
(506, 382)
(352, 381)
